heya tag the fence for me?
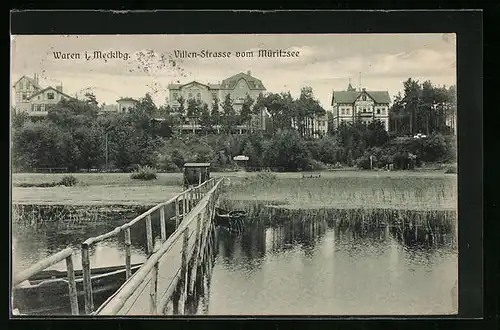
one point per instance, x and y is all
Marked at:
(171, 266)
(66, 254)
(181, 204)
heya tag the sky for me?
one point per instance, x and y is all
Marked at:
(326, 62)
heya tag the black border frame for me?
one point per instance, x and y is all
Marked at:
(466, 23)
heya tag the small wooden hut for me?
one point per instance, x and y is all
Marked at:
(196, 173)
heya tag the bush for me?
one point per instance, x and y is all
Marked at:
(144, 173)
(68, 181)
(316, 165)
(266, 176)
(363, 162)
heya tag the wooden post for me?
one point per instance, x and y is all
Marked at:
(188, 201)
(128, 254)
(196, 253)
(184, 205)
(87, 282)
(149, 235)
(73, 295)
(177, 217)
(163, 226)
(184, 264)
(154, 290)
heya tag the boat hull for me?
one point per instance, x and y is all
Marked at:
(50, 296)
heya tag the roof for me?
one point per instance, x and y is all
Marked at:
(351, 96)
(54, 89)
(31, 80)
(253, 83)
(196, 164)
(179, 86)
(126, 99)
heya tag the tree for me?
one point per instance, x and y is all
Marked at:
(215, 112)
(205, 119)
(287, 151)
(306, 109)
(246, 111)
(181, 110)
(228, 119)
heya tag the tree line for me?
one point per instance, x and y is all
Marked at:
(76, 136)
(423, 108)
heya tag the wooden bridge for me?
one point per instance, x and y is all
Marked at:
(167, 278)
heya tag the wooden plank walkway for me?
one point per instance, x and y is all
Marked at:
(172, 266)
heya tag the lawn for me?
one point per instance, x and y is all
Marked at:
(411, 190)
(97, 188)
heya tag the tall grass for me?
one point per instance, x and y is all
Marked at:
(402, 192)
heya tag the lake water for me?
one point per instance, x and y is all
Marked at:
(299, 267)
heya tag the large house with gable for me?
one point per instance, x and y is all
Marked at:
(35, 100)
(237, 86)
(363, 104)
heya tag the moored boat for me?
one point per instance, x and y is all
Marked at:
(47, 292)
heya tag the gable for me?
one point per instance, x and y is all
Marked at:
(50, 89)
(364, 97)
(252, 82)
(28, 80)
(194, 84)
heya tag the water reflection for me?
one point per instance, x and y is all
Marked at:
(35, 240)
(335, 267)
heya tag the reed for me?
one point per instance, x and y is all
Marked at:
(412, 192)
(36, 216)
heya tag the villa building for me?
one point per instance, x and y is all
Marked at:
(34, 100)
(125, 104)
(237, 86)
(366, 105)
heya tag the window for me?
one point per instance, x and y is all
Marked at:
(198, 96)
(378, 111)
(190, 95)
(214, 94)
(342, 111)
(124, 109)
(364, 109)
(176, 96)
(38, 96)
(364, 97)
(50, 96)
(129, 108)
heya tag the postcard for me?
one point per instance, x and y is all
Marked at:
(234, 174)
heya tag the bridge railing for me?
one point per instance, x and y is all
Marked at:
(168, 265)
(181, 204)
(66, 254)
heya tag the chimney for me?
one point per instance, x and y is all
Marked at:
(249, 72)
(35, 78)
(364, 89)
(59, 88)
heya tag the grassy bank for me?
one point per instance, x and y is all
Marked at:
(388, 190)
(339, 189)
